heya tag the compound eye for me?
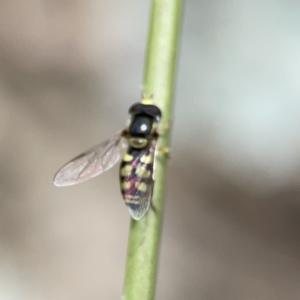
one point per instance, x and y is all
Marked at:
(153, 110)
(136, 108)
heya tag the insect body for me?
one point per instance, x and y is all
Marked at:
(136, 145)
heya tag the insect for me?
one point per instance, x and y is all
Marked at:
(136, 145)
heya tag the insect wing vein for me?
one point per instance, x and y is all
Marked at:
(92, 162)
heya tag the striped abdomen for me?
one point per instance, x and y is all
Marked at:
(136, 178)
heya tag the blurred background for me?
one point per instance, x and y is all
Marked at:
(69, 70)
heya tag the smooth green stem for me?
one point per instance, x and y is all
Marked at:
(159, 76)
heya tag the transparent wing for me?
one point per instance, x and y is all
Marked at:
(92, 162)
(138, 207)
(138, 196)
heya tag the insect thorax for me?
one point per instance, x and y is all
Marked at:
(141, 130)
(143, 124)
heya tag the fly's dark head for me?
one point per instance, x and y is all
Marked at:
(143, 120)
(145, 109)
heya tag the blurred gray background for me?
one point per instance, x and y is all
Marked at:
(69, 70)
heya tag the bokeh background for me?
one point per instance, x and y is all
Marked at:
(69, 70)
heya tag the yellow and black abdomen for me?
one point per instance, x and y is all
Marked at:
(136, 179)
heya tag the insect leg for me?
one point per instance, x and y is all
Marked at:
(164, 127)
(164, 150)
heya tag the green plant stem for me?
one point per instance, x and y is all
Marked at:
(159, 76)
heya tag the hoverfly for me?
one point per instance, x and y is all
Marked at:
(136, 145)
